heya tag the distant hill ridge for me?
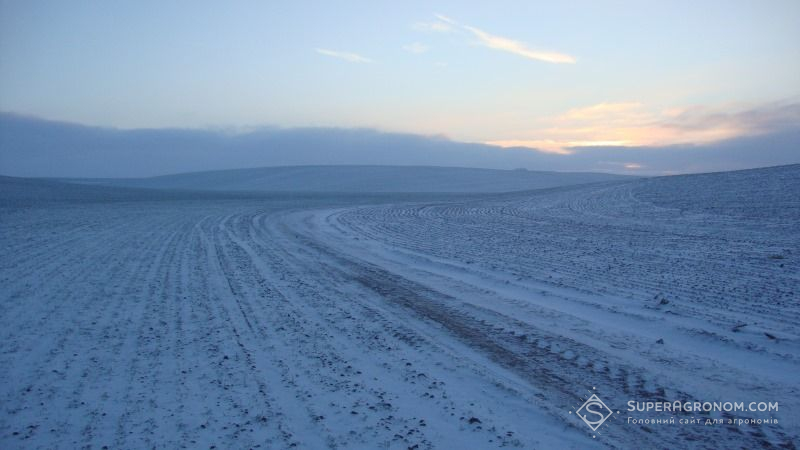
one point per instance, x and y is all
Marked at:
(361, 179)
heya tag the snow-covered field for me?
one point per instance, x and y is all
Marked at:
(154, 319)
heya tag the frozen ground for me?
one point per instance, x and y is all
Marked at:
(140, 319)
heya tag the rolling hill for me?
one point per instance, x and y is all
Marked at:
(361, 179)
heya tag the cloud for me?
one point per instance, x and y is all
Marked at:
(631, 124)
(623, 110)
(347, 56)
(446, 24)
(769, 149)
(754, 120)
(416, 47)
(445, 19)
(518, 48)
(83, 151)
(433, 27)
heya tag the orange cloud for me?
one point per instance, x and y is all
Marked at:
(631, 124)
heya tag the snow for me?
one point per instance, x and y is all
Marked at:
(144, 318)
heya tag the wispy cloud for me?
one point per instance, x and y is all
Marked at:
(437, 26)
(495, 42)
(518, 48)
(416, 47)
(445, 19)
(346, 56)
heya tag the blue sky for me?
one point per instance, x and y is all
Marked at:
(549, 75)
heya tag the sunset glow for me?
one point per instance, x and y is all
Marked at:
(553, 77)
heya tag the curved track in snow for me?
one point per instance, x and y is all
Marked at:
(379, 323)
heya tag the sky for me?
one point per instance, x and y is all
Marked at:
(551, 76)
